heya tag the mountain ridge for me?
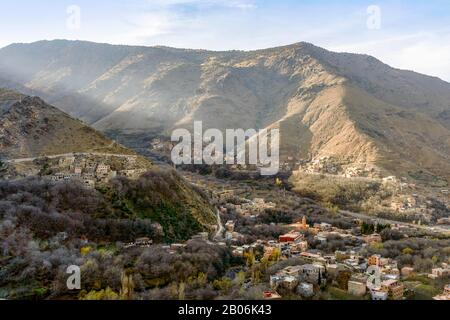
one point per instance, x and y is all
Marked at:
(29, 127)
(350, 106)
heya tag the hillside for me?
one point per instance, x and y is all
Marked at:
(351, 107)
(165, 197)
(29, 128)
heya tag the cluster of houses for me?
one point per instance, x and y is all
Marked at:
(445, 294)
(440, 272)
(248, 208)
(325, 165)
(143, 242)
(331, 165)
(413, 202)
(254, 207)
(406, 198)
(300, 279)
(348, 270)
(161, 145)
(344, 269)
(91, 171)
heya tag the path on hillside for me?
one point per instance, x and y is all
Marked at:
(434, 229)
(219, 234)
(20, 160)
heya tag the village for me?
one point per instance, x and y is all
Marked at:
(295, 260)
(91, 169)
(344, 269)
(303, 265)
(407, 197)
(311, 273)
(350, 271)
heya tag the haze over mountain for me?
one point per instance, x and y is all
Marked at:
(29, 127)
(349, 106)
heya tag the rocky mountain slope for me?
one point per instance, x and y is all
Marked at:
(29, 127)
(352, 107)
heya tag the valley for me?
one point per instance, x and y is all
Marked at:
(353, 108)
(86, 179)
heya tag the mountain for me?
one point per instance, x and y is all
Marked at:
(351, 107)
(29, 127)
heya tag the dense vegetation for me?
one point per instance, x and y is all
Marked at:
(47, 226)
(343, 192)
(421, 253)
(273, 222)
(121, 211)
(163, 196)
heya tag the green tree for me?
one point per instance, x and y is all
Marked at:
(202, 279)
(249, 258)
(407, 251)
(256, 273)
(223, 285)
(240, 278)
(127, 290)
(104, 294)
(182, 291)
(275, 255)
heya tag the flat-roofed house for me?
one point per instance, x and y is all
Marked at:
(290, 237)
(394, 288)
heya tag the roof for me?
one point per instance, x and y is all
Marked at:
(356, 282)
(291, 235)
(292, 269)
(289, 279)
(389, 282)
(311, 266)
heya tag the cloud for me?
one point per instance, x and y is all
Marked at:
(144, 26)
(239, 4)
(424, 52)
(173, 17)
(410, 36)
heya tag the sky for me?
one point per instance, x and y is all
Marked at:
(406, 34)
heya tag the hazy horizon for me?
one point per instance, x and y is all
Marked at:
(412, 36)
(212, 50)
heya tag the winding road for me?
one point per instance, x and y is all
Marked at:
(219, 234)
